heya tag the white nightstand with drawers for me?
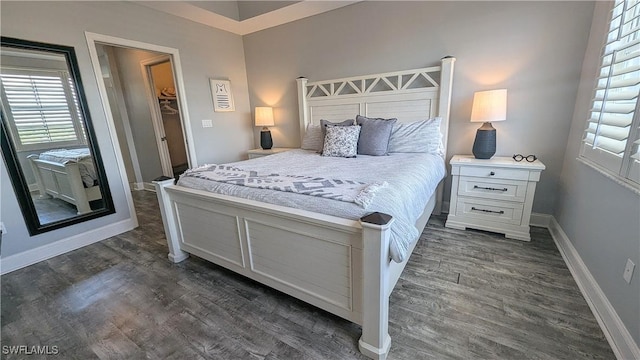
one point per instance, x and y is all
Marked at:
(256, 153)
(493, 195)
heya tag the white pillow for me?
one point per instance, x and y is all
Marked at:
(341, 141)
(313, 138)
(417, 137)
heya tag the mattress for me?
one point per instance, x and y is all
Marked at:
(82, 156)
(411, 180)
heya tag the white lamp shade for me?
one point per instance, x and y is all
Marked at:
(264, 116)
(489, 106)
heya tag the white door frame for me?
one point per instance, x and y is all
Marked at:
(156, 115)
(92, 38)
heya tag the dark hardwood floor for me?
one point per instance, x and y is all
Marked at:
(463, 295)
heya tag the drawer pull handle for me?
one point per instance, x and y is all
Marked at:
(492, 173)
(487, 211)
(489, 188)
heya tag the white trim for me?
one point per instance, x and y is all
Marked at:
(148, 187)
(620, 340)
(30, 257)
(154, 110)
(143, 186)
(273, 18)
(137, 186)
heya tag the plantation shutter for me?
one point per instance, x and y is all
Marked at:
(42, 107)
(611, 133)
(634, 161)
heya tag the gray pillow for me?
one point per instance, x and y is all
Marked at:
(341, 141)
(313, 138)
(417, 137)
(325, 123)
(374, 135)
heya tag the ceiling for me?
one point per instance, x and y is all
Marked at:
(244, 17)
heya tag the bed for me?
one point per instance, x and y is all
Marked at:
(67, 174)
(342, 265)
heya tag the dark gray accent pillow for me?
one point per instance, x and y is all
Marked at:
(323, 127)
(374, 135)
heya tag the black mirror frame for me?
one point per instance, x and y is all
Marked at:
(14, 168)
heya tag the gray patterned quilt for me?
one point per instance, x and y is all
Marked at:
(411, 177)
(347, 190)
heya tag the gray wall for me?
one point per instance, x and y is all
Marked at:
(600, 217)
(116, 104)
(205, 53)
(135, 98)
(534, 49)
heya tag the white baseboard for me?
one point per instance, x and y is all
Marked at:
(540, 220)
(149, 187)
(621, 341)
(30, 257)
(137, 186)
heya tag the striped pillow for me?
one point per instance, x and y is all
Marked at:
(313, 138)
(417, 137)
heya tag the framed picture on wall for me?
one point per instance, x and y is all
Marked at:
(222, 95)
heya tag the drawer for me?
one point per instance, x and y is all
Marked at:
(488, 188)
(490, 211)
(494, 172)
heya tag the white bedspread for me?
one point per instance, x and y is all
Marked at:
(82, 156)
(411, 178)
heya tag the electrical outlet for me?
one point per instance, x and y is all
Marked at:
(3, 230)
(207, 123)
(628, 271)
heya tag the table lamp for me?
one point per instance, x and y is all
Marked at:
(488, 106)
(264, 118)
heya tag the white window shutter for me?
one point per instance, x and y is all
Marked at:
(42, 108)
(611, 127)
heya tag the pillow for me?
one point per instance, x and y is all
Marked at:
(313, 138)
(341, 141)
(417, 137)
(374, 135)
(325, 123)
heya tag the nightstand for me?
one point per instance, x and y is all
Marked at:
(256, 153)
(493, 195)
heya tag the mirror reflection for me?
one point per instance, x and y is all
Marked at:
(54, 171)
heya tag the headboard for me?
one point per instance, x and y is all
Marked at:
(408, 95)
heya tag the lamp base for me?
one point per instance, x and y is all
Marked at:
(266, 142)
(484, 147)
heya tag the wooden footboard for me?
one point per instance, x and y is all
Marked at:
(339, 265)
(63, 181)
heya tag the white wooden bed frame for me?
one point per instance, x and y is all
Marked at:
(63, 181)
(336, 264)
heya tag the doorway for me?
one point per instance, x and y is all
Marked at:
(146, 110)
(165, 112)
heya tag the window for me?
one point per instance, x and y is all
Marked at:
(43, 108)
(612, 136)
